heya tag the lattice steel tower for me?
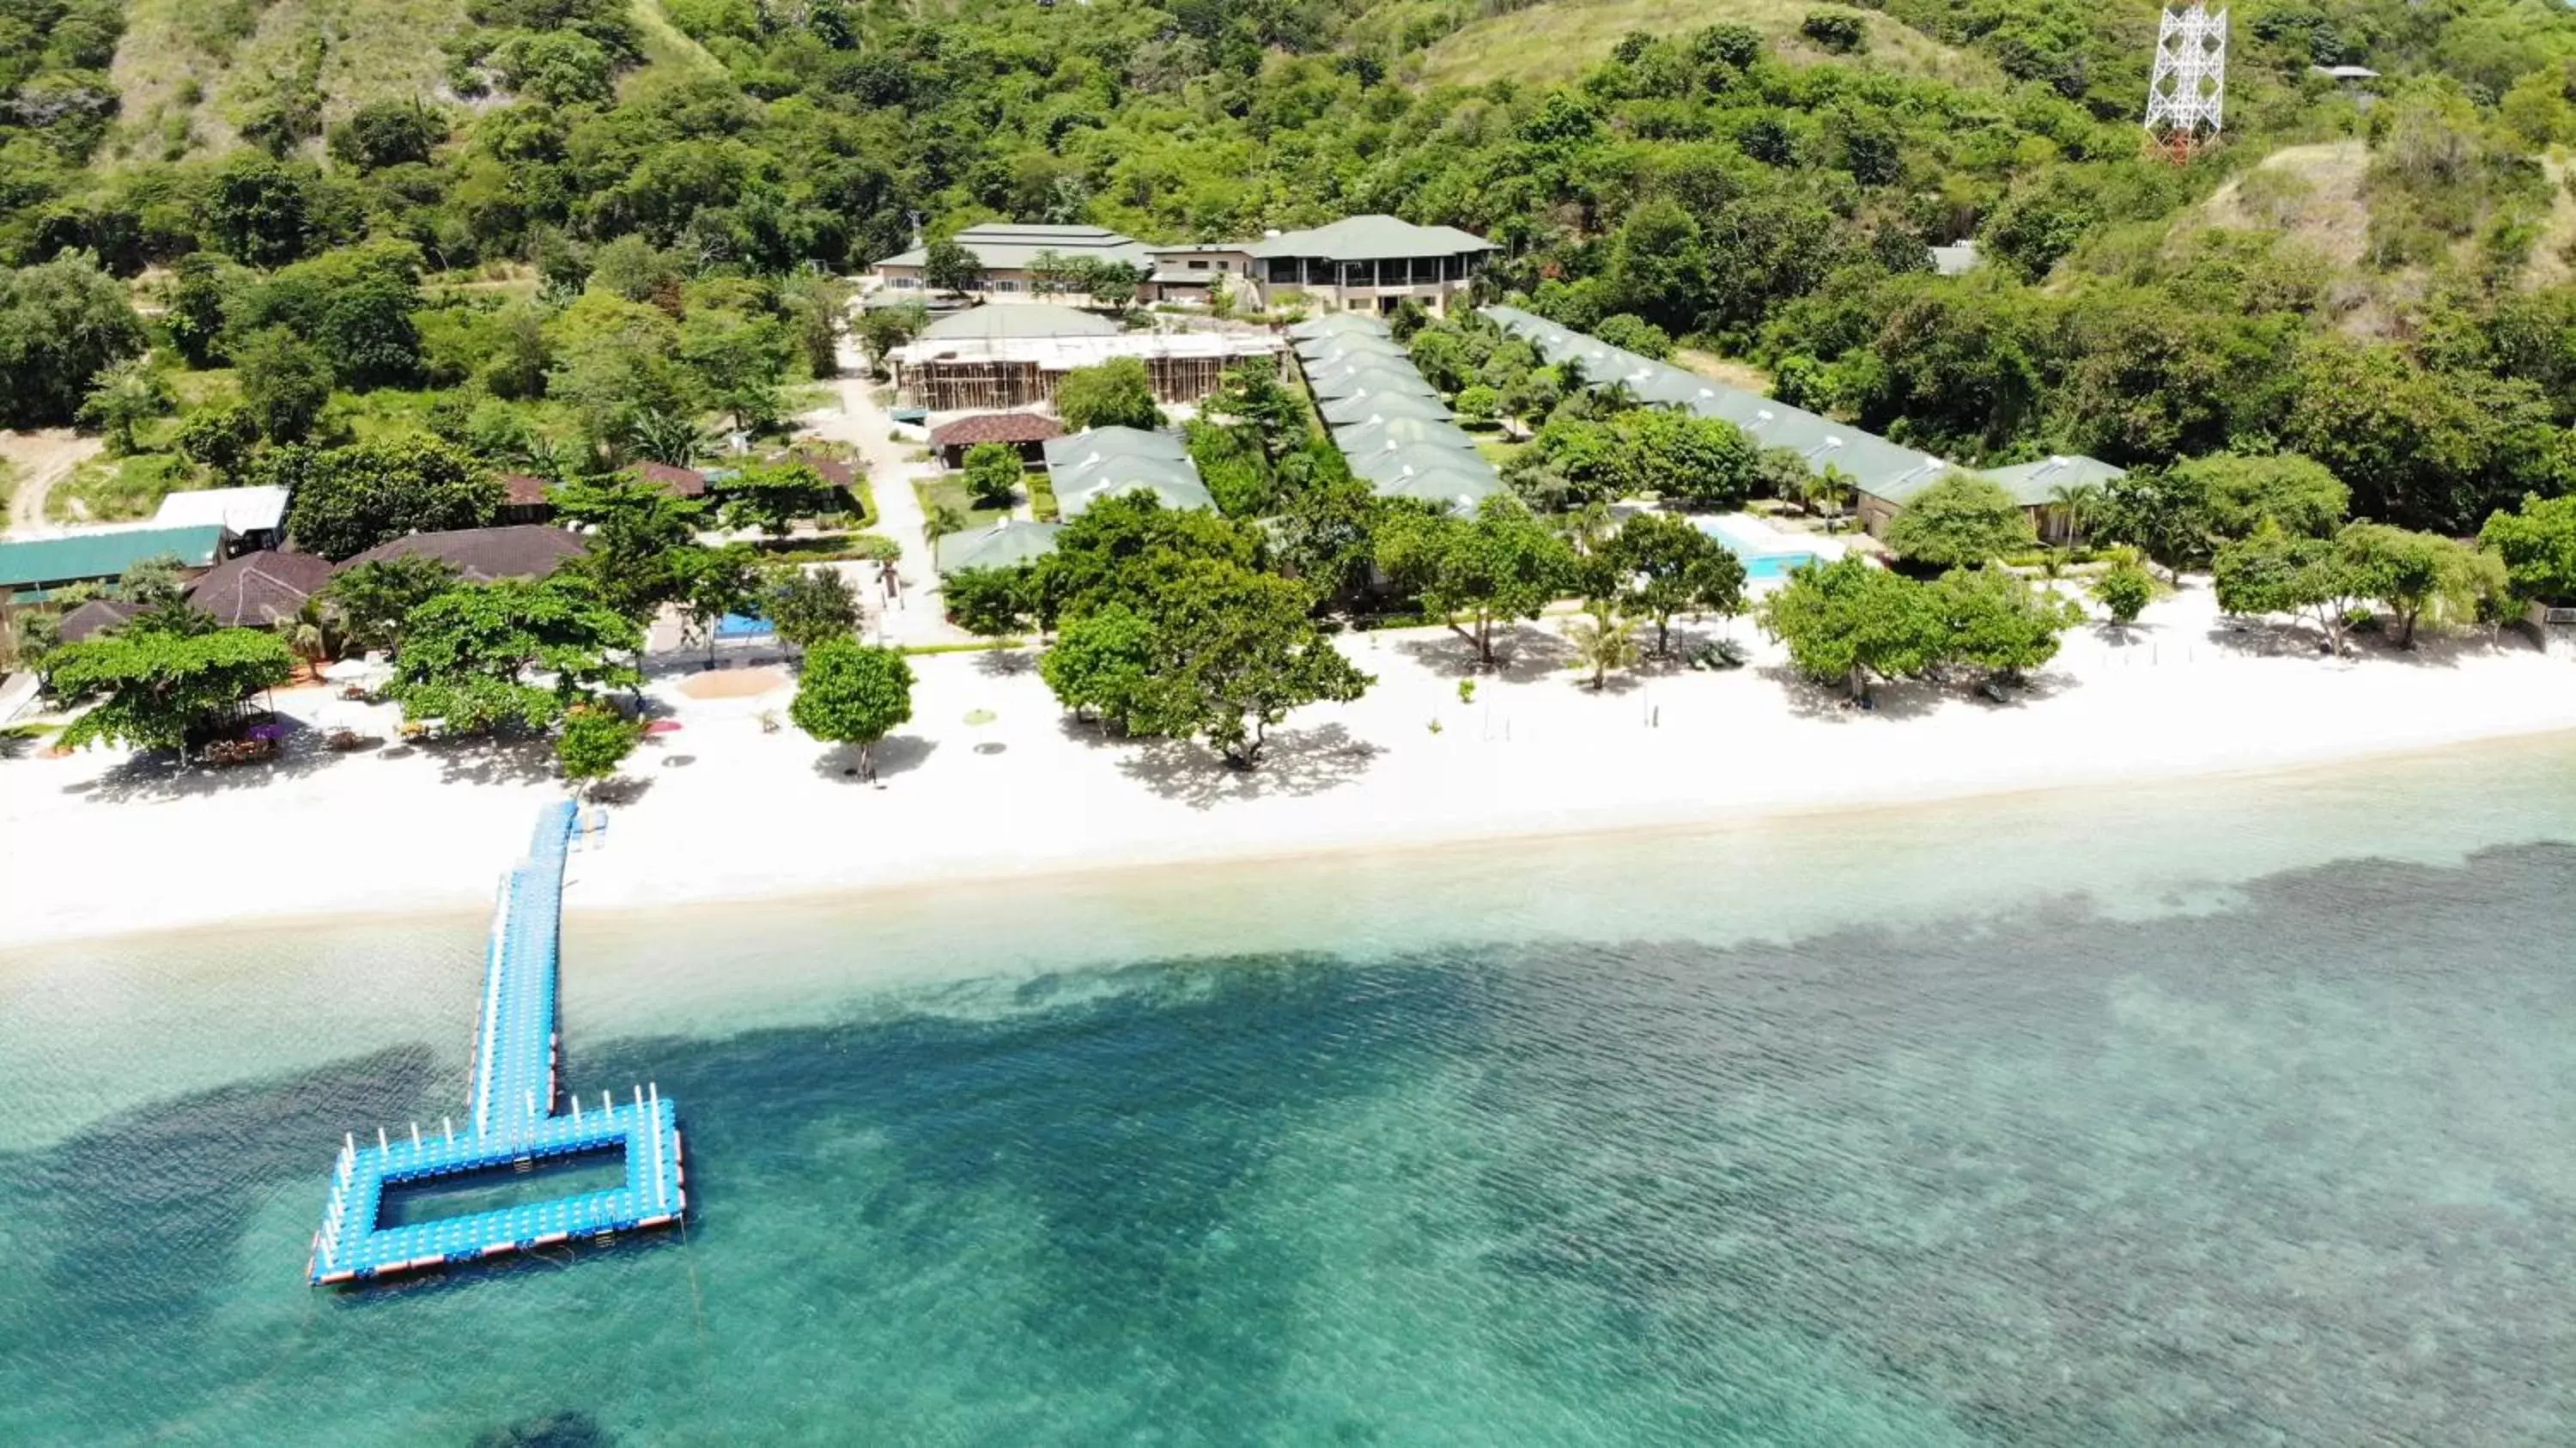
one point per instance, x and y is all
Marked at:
(2189, 86)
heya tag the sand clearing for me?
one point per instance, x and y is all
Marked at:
(733, 683)
(725, 810)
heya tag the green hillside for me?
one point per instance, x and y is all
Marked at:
(193, 73)
(1557, 41)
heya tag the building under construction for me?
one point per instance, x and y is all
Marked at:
(1017, 356)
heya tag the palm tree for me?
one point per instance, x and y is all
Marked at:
(666, 437)
(1603, 642)
(1828, 489)
(2078, 504)
(941, 521)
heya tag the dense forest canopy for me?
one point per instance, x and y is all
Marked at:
(610, 214)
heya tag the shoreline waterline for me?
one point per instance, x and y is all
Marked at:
(865, 883)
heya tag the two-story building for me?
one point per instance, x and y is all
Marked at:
(1010, 255)
(1367, 264)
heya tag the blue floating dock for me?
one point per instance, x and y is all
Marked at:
(513, 1123)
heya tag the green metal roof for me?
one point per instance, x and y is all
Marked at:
(1018, 319)
(1360, 407)
(2031, 484)
(78, 556)
(1370, 238)
(1333, 324)
(1007, 544)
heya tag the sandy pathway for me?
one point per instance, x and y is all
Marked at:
(41, 460)
(862, 423)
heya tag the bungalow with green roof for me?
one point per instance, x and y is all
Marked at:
(1007, 544)
(2036, 487)
(38, 569)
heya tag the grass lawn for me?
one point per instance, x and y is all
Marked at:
(1042, 497)
(949, 491)
(1559, 40)
(118, 490)
(1497, 450)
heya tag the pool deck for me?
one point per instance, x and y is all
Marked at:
(513, 1124)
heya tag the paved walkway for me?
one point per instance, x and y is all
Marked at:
(861, 422)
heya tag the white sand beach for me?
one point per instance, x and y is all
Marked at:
(990, 780)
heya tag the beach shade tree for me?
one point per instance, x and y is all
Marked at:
(639, 535)
(1959, 522)
(809, 607)
(990, 602)
(2276, 571)
(1851, 621)
(2162, 513)
(516, 653)
(2537, 544)
(772, 496)
(850, 693)
(1701, 462)
(595, 739)
(1118, 548)
(1477, 573)
(2239, 494)
(151, 688)
(1325, 530)
(1666, 567)
(1603, 641)
(1993, 619)
(1116, 393)
(715, 583)
(2124, 590)
(350, 499)
(993, 472)
(2421, 578)
(1100, 666)
(372, 601)
(1232, 652)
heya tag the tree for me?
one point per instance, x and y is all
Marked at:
(993, 474)
(157, 689)
(772, 496)
(387, 133)
(2296, 492)
(2538, 547)
(1500, 565)
(61, 324)
(1668, 567)
(2419, 577)
(353, 498)
(1602, 641)
(475, 654)
(1233, 651)
(285, 383)
(1116, 393)
(992, 602)
(849, 693)
(1994, 619)
(2078, 504)
(1254, 399)
(219, 439)
(2124, 589)
(2276, 572)
(809, 606)
(1120, 549)
(1704, 462)
(1960, 521)
(197, 305)
(1626, 330)
(640, 537)
(259, 212)
(373, 601)
(123, 397)
(948, 267)
(818, 305)
(942, 520)
(2162, 513)
(1850, 621)
(595, 740)
(882, 329)
(1325, 529)
(740, 362)
(712, 583)
(1101, 665)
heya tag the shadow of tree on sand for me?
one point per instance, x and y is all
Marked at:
(1296, 763)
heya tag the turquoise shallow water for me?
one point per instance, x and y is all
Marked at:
(2226, 1114)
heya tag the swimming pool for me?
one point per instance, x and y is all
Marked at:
(1765, 552)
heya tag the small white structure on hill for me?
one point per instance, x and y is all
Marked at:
(2187, 93)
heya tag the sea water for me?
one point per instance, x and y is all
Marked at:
(2222, 1113)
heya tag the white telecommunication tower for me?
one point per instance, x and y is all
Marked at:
(2189, 87)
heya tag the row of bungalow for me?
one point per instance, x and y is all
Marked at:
(1389, 423)
(1885, 475)
(1082, 469)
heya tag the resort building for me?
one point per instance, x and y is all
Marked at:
(1390, 424)
(252, 518)
(678, 482)
(525, 499)
(33, 571)
(485, 555)
(1026, 431)
(1001, 358)
(2035, 486)
(1368, 264)
(1007, 544)
(260, 590)
(1108, 461)
(98, 616)
(1009, 253)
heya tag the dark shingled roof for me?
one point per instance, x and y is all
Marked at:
(481, 555)
(683, 482)
(996, 427)
(524, 491)
(258, 589)
(834, 471)
(96, 617)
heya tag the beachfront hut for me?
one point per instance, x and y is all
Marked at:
(1362, 407)
(260, 590)
(1026, 431)
(1007, 544)
(484, 555)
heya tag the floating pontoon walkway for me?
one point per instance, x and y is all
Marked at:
(513, 1124)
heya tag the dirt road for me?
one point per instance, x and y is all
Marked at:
(39, 460)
